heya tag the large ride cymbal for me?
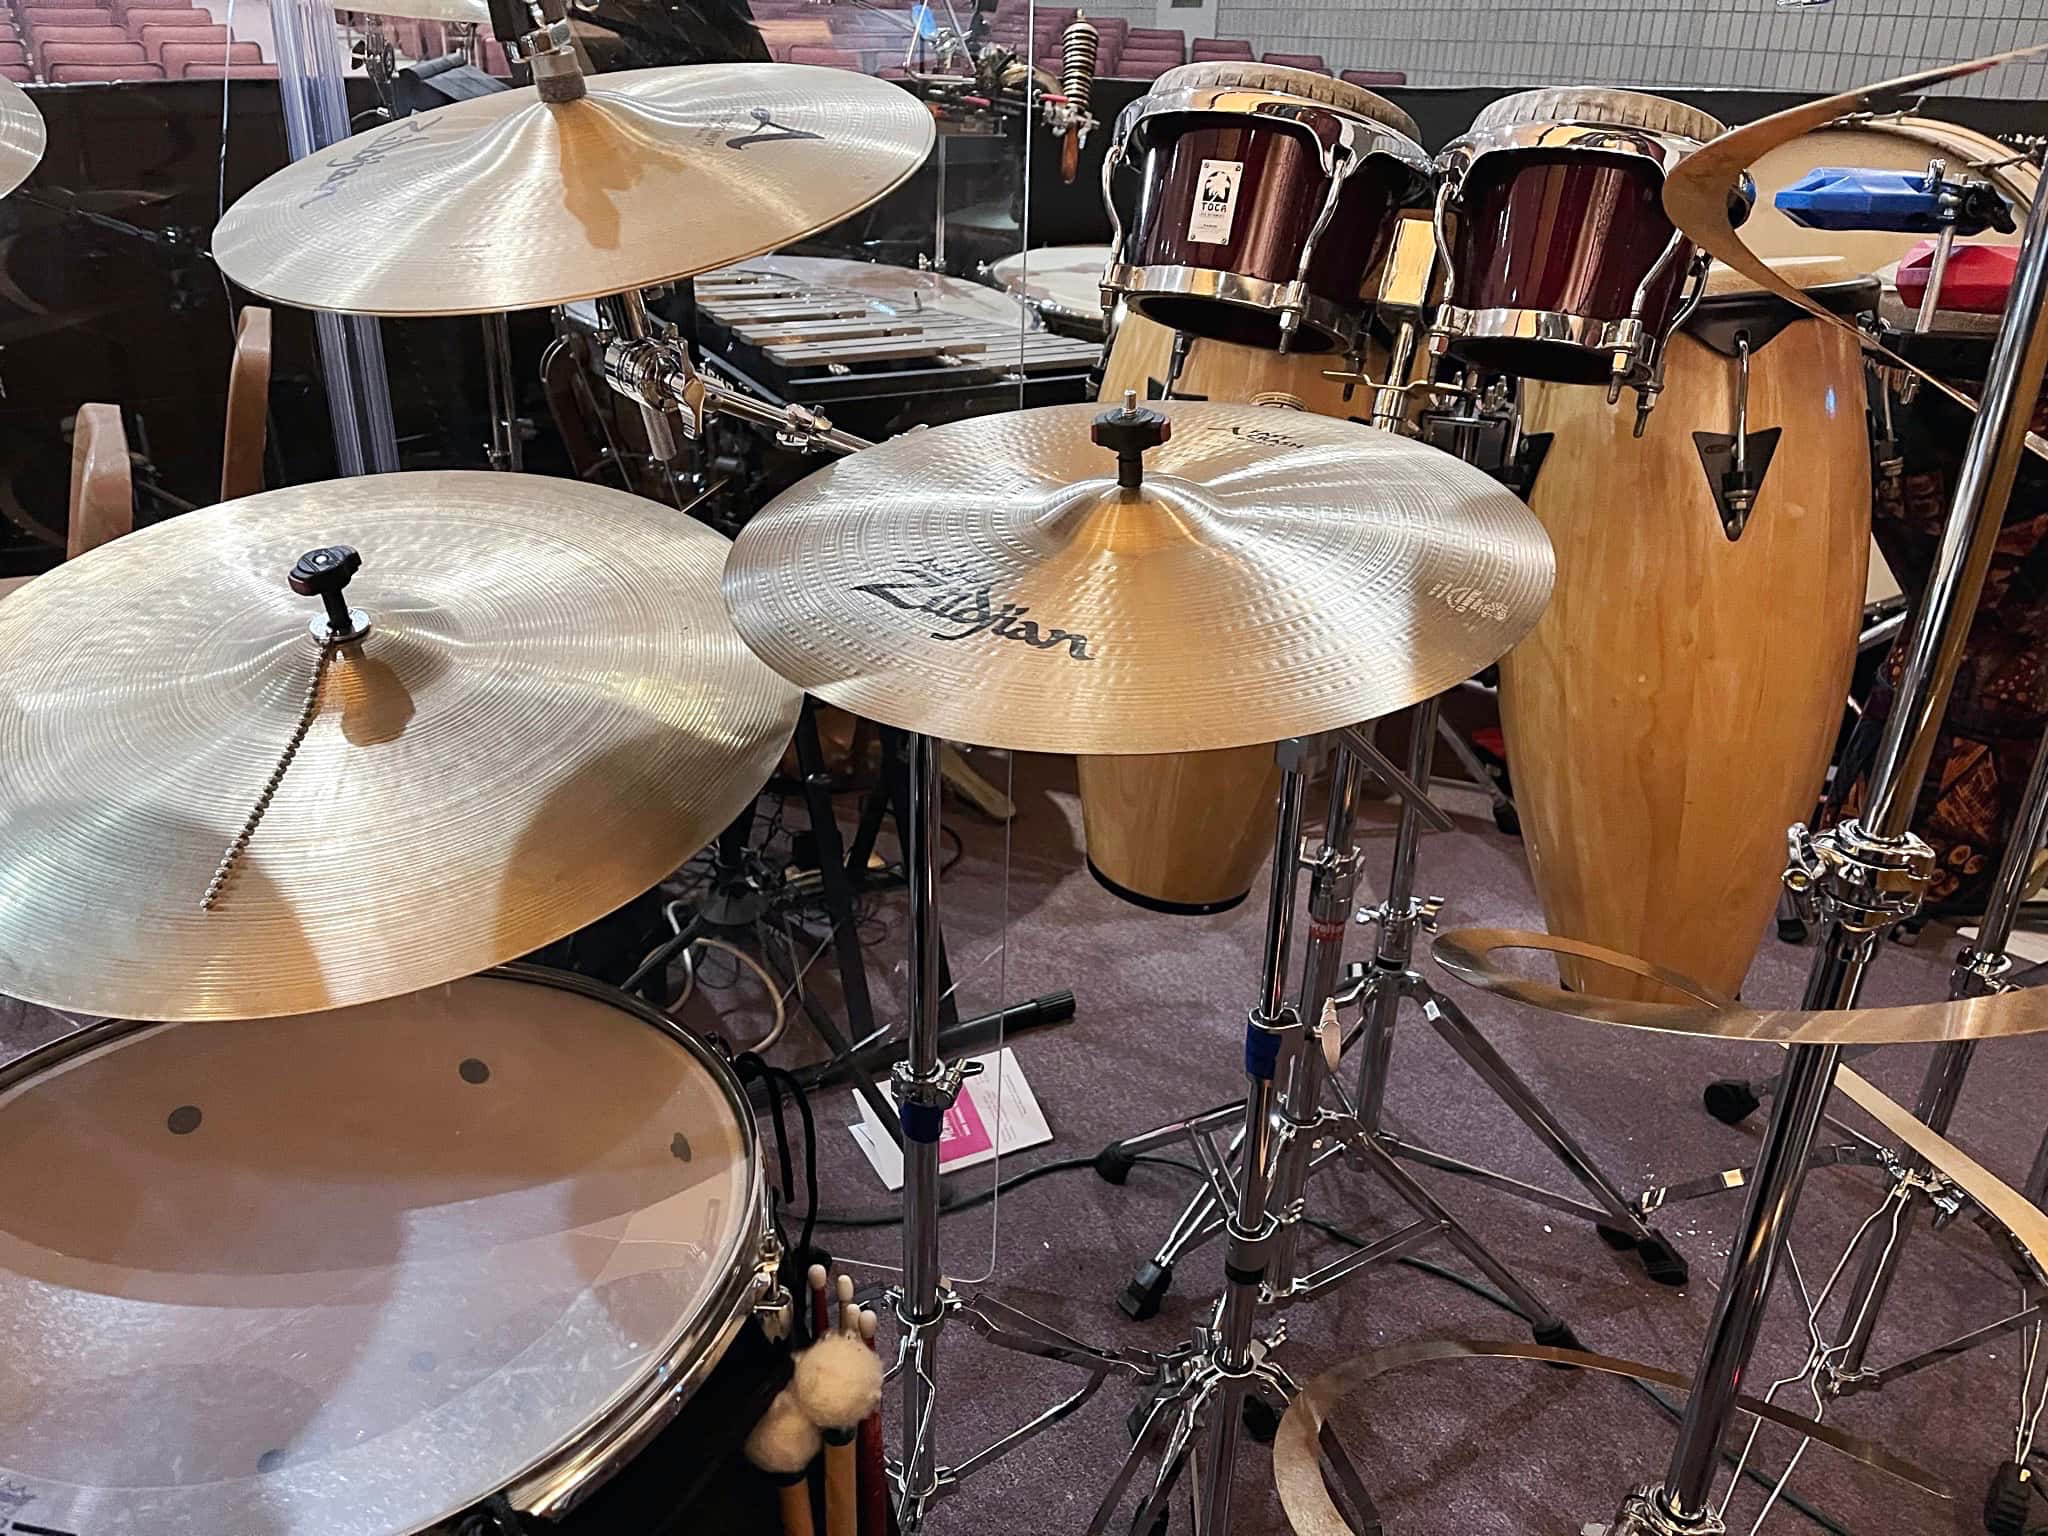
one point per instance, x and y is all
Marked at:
(1276, 574)
(549, 713)
(508, 202)
(22, 136)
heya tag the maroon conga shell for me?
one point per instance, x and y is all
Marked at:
(1265, 199)
(1562, 265)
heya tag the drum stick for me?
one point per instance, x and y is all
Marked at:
(783, 1445)
(874, 1465)
(838, 1383)
(819, 1322)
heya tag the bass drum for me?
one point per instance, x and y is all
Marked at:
(1674, 709)
(366, 1271)
(1187, 832)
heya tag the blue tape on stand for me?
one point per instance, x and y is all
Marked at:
(921, 1122)
(1261, 1051)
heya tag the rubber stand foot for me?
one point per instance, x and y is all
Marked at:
(1260, 1421)
(1556, 1335)
(1161, 1521)
(2010, 1506)
(1663, 1263)
(1791, 931)
(1730, 1100)
(1113, 1164)
(1507, 821)
(1615, 1238)
(1140, 1299)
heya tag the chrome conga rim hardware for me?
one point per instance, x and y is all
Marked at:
(1609, 126)
(1343, 141)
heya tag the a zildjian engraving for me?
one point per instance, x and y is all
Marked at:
(409, 132)
(962, 598)
(760, 133)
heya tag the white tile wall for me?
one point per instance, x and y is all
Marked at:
(1741, 43)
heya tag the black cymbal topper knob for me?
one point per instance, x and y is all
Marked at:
(325, 573)
(1127, 432)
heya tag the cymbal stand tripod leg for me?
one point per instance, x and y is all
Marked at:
(1864, 878)
(926, 1087)
(1390, 977)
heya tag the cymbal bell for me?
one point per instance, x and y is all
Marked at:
(22, 136)
(506, 202)
(549, 713)
(1276, 573)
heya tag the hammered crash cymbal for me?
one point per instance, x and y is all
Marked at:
(1470, 955)
(1276, 573)
(22, 136)
(508, 202)
(549, 713)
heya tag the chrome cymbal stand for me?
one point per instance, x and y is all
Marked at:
(1286, 1131)
(1866, 877)
(926, 1088)
(1834, 1366)
(508, 432)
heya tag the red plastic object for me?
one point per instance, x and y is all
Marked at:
(1978, 279)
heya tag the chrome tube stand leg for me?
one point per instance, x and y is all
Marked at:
(926, 1088)
(508, 451)
(1980, 970)
(1391, 978)
(1863, 878)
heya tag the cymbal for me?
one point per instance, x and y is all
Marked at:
(1469, 955)
(549, 713)
(507, 202)
(22, 136)
(476, 13)
(1277, 573)
(1696, 194)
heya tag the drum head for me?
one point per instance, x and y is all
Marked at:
(1903, 144)
(1064, 281)
(352, 1272)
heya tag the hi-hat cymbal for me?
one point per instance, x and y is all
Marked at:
(508, 202)
(550, 712)
(1275, 574)
(22, 136)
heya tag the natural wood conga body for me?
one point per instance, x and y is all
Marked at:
(1673, 711)
(1187, 832)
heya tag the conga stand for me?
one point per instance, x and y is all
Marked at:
(1866, 877)
(1285, 1133)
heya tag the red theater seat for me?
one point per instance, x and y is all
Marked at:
(140, 16)
(1220, 49)
(36, 17)
(111, 54)
(1312, 62)
(1375, 76)
(153, 39)
(231, 72)
(21, 74)
(13, 53)
(177, 57)
(80, 74)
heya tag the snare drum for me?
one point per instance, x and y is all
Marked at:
(1266, 199)
(1674, 709)
(1560, 262)
(363, 1271)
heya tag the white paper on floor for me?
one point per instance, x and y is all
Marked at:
(972, 1125)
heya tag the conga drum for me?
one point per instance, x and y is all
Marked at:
(1673, 711)
(1264, 200)
(1186, 832)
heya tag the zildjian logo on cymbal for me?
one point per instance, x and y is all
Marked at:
(402, 134)
(960, 597)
